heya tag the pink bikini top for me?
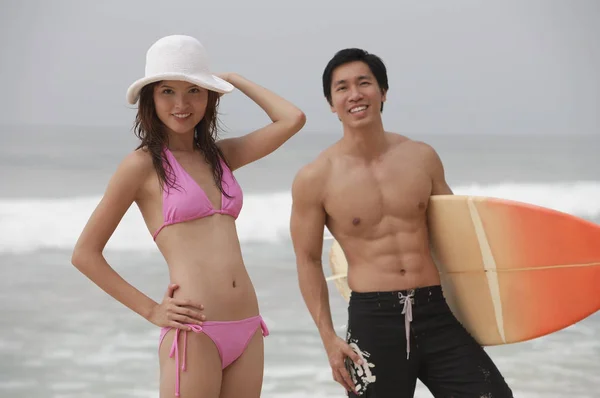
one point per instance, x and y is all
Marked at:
(188, 201)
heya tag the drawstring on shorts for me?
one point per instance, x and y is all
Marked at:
(407, 302)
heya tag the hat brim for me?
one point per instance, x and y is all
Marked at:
(209, 82)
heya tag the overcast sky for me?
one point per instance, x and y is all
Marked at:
(455, 66)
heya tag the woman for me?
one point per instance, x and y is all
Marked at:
(181, 179)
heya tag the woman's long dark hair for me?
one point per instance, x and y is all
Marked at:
(150, 130)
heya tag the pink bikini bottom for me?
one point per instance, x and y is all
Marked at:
(230, 337)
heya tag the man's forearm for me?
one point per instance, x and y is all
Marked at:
(313, 287)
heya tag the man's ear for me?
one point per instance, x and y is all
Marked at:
(333, 111)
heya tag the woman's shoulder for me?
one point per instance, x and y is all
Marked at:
(137, 162)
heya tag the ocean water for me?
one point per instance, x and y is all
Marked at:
(61, 336)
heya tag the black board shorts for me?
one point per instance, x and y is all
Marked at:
(439, 351)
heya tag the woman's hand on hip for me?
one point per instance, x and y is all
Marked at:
(176, 313)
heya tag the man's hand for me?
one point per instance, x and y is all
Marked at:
(337, 351)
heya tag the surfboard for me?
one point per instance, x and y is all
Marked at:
(510, 271)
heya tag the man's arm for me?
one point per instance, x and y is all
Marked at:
(307, 224)
(438, 175)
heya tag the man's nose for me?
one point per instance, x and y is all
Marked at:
(355, 94)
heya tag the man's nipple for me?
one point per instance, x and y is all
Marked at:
(355, 221)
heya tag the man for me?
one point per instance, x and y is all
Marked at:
(371, 189)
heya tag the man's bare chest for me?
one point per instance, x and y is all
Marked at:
(362, 196)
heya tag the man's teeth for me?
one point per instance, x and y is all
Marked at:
(181, 115)
(358, 109)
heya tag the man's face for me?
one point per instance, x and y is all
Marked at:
(355, 95)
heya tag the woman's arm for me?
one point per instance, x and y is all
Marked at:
(287, 120)
(87, 257)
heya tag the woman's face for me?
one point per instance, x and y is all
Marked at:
(180, 105)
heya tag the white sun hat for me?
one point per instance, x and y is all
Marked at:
(178, 57)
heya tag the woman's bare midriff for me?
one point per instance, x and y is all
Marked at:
(204, 258)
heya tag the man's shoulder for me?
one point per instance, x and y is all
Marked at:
(426, 150)
(311, 178)
(314, 171)
(425, 153)
(413, 144)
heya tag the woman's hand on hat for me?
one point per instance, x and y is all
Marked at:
(225, 76)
